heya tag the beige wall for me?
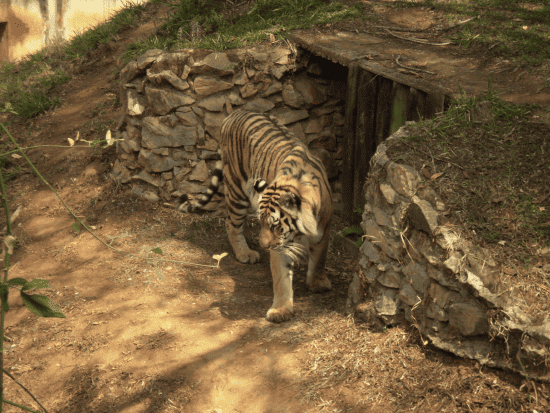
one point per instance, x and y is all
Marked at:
(33, 24)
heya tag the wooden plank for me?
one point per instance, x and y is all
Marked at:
(349, 143)
(435, 103)
(383, 109)
(415, 102)
(399, 106)
(365, 141)
(394, 75)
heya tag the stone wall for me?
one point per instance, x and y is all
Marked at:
(175, 104)
(412, 268)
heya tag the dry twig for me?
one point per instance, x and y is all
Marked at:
(411, 68)
(421, 41)
(460, 23)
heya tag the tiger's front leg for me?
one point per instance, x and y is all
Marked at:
(238, 242)
(283, 301)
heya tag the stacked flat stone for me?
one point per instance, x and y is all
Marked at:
(175, 103)
(411, 267)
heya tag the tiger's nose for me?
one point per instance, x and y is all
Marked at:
(266, 239)
(264, 243)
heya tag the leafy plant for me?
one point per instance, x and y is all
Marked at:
(38, 304)
(352, 230)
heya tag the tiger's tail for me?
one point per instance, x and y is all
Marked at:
(184, 205)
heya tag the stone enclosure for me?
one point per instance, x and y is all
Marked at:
(410, 267)
(176, 102)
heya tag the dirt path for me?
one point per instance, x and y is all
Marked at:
(169, 337)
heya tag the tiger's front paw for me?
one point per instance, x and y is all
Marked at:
(248, 257)
(278, 315)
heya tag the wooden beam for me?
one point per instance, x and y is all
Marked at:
(365, 140)
(383, 109)
(399, 106)
(349, 143)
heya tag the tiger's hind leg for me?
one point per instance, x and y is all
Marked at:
(317, 280)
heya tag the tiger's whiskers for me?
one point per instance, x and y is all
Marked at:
(297, 252)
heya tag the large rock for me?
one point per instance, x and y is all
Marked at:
(259, 105)
(167, 77)
(468, 318)
(200, 173)
(215, 63)
(286, 115)
(403, 178)
(207, 85)
(156, 163)
(136, 103)
(213, 103)
(213, 124)
(175, 62)
(163, 101)
(309, 92)
(292, 97)
(156, 134)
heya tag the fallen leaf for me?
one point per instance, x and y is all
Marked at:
(426, 173)
(71, 142)
(508, 271)
(16, 156)
(435, 176)
(108, 138)
(466, 175)
(498, 199)
(501, 243)
(218, 257)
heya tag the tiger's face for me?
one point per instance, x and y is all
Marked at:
(279, 227)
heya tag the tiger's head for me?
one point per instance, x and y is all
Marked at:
(285, 213)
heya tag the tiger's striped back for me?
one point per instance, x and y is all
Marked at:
(256, 146)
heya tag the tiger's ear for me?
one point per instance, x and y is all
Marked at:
(260, 185)
(307, 222)
(301, 211)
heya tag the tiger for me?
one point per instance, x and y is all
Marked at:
(267, 170)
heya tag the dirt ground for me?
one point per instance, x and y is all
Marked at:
(148, 336)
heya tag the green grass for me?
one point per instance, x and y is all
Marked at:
(26, 85)
(222, 31)
(516, 30)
